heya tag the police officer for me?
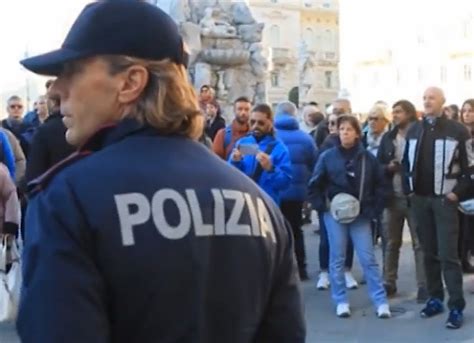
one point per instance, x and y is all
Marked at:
(144, 235)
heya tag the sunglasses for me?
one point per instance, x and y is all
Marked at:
(16, 106)
(374, 118)
(332, 123)
(258, 122)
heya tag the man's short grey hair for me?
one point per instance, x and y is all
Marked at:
(286, 107)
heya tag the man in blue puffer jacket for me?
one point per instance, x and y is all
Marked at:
(303, 155)
(261, 156)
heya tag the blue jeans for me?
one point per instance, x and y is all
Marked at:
(361, 234)
(324, 247)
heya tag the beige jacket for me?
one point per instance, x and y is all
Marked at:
(9, 203)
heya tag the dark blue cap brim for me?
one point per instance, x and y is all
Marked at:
(51, 63)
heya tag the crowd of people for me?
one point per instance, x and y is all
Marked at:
(31, 144)
(398, 166)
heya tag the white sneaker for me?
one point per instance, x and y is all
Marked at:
(323, 281)
(383, 311)
(351, 283)
(343, 310)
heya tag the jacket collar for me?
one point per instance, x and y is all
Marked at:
(109, 134)
(360, 148)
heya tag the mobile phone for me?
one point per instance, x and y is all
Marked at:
(248, 149)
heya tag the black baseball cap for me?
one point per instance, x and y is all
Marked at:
(115, 27)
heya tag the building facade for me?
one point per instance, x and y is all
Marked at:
(301, 38)
(405, 47)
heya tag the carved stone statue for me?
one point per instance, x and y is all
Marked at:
(214, 27)
(306, 64)
(224, 41)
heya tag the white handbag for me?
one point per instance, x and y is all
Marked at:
(344, 207)
(10, 283)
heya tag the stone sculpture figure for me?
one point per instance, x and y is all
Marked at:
(214, 27)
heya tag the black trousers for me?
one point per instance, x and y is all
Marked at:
(438, 231)
(466, 237)
(292, 210)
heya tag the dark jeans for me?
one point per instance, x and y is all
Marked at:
(438, 231)
(324, 247)
(292, 212)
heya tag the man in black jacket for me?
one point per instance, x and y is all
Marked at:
(436, 175)
(390, 154)
(49, 145)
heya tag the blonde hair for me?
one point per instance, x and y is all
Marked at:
(382, 111)
(168, 102)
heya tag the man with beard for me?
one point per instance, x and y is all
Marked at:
(390, 154)
(262, 156)
(225, 138)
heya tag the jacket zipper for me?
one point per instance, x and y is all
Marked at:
(442, 166)
(417, 152)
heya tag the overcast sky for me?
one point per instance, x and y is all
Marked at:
(34, 25)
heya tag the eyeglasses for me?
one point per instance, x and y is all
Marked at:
(258, 122)
(332, 123)
(16, 107)
(374, 118)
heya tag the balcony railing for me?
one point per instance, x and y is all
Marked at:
(282, 56)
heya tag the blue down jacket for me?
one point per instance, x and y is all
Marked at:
(303, 153)
(274, 182)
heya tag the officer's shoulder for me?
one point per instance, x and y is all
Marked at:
(42, 182)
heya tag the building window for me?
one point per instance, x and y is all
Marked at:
(468, 28)
(309, 38)
(273, 1)
(420, 74)
(443, 74)
(275, 79)
(275, 36)
(328, 79)
(467, 72)
(328, 40)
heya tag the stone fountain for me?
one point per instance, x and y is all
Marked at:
(225, 45)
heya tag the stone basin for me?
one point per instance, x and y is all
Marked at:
(228, 57)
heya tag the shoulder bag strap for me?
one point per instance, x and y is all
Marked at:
(362, 178)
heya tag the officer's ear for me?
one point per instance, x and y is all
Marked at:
(133, 81)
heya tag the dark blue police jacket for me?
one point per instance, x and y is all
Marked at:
(141, 237)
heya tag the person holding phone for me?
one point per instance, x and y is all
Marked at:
(263, 157)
